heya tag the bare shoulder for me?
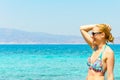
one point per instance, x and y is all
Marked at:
(109, 52)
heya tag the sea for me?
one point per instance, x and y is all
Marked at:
(49, 61)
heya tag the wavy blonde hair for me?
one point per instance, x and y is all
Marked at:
(106, 29)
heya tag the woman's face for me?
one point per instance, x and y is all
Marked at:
(97, 35)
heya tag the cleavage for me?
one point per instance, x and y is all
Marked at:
(94, 57)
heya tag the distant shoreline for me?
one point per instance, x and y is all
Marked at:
(51, 44)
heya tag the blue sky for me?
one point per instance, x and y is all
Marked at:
(58, 16)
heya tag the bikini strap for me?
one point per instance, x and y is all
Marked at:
(101, 53)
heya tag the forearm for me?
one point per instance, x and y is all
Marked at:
(84, 31)
(87, 27)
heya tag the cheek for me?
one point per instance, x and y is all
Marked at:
(97, 37)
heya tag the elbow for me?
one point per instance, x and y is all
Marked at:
(81, 28)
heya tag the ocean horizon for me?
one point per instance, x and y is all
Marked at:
(48, 61)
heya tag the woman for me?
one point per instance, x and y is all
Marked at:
(102, 58)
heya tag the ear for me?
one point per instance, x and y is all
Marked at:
(103, 35)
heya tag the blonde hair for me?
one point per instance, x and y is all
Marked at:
(106, 29)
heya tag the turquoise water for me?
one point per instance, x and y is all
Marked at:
(48, 62)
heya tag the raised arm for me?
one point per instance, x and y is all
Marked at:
(84, 31)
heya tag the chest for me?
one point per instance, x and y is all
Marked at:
(97, 55)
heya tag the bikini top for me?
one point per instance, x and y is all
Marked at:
(97, 65)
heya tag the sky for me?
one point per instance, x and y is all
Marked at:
(62, 17)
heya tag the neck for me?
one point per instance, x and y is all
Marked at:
(100, 46)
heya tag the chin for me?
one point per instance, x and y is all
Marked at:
(94, 43)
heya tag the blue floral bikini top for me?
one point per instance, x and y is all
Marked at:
(97, 65)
